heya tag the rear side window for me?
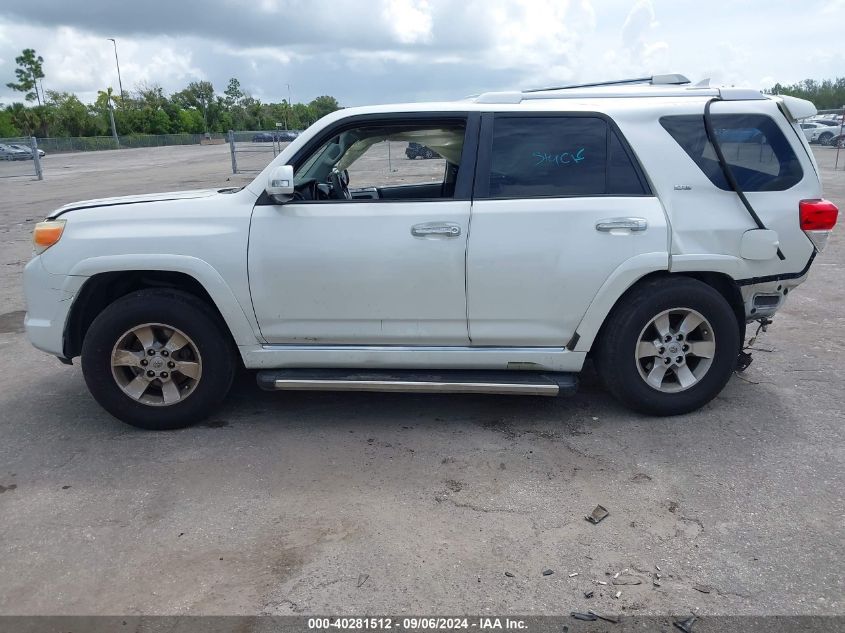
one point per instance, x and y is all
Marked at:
(559, 156)
(760, 157)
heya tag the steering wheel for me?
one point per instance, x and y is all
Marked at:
(307, 191)
(339, 183)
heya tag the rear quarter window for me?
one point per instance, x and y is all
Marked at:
(759, 155)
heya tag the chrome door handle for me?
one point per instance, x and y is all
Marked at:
(436, 229)
(630, 224)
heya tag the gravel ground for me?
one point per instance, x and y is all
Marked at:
(282, 503)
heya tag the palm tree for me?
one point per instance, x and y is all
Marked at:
(105, 99)
(23, 118)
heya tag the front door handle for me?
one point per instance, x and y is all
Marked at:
(436, 229)
(625, 224)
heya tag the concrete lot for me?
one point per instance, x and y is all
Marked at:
(284, 503)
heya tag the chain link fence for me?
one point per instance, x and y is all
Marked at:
(129, 141)
(251, 151)
(20, 157)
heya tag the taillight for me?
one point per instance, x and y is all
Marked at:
(817, 219)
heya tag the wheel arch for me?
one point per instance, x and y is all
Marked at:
(103, 288)
(722, 283)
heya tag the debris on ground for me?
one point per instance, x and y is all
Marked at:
(702, 588)
(597, 515)
(626, 579)
(362, 578)
(589, 594)
(548, 572)
(587, 617)
(685, 625)
(657, 567)
(600, 582)
(607, 618)
(573, 574)
(617, 594)
(509, 574)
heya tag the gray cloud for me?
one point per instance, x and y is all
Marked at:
(395, 50)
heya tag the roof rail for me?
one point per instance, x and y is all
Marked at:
(673, 79)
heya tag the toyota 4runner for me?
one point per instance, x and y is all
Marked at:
(640, 223)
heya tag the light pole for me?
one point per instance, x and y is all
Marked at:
(289, 108)
(117, 63)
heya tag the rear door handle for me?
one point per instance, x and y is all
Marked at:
(630, 224)
(436, 229)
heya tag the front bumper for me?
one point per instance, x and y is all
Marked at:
(49, 299)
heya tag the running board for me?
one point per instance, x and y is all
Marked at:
(446, 381)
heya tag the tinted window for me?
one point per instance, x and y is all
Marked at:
(758, 153)
(559, 156)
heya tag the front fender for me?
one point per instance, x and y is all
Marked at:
(241, 322)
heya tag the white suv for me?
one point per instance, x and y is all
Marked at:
(639, 225)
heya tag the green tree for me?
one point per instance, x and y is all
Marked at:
(7, 127)
(199, 95)
(70, 115)
(191, 121)
(233, 93)
(28, 72)
(321, 106)
(828, 94)
(31, 121)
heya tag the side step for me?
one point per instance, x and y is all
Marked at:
(442, 381)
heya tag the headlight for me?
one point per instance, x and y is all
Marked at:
(46, 234)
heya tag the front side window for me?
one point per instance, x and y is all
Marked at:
(384, 161)
(759, 155)
(559, 156)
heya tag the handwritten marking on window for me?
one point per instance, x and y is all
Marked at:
(563, 158)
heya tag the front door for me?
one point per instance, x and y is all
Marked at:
(372, 250)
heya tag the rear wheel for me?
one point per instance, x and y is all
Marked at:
(158, 359)
(669, 347)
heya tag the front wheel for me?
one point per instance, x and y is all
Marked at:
(158, 359)
(824, 139)
(669, 347)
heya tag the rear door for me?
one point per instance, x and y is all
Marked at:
(560, 202)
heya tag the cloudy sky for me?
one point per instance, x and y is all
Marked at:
(375, 51)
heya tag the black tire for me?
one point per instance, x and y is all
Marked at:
(824, 138)
(616, 351)
(177, 310)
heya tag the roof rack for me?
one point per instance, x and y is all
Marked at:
(673, 79)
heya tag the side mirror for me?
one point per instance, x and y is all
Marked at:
(280, 183)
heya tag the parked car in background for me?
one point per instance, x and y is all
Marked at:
(817, 132)
(11, 152)
(28, 150)
(416, 150)
(837, 141)
(284, 136)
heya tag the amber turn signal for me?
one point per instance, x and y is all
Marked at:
(46, 234)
